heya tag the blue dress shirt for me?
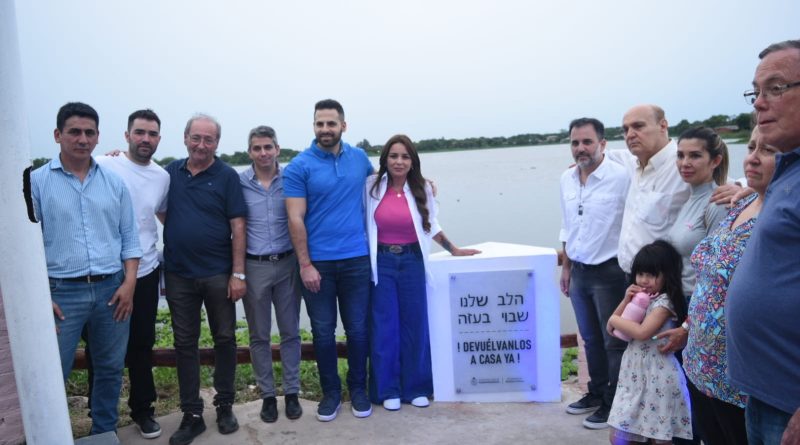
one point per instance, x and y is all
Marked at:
(88, 227)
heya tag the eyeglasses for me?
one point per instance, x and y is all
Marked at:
(196, 139)
(773, 92)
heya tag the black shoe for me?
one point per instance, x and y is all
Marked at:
(588, 403)
(269, 410)
(226, 421)
(597, 421)
(148, 427)
(192, 426)
(293, 408)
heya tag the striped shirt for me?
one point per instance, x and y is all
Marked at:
(88, 227)
(267, 221)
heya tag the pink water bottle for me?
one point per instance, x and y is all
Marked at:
(635, 311)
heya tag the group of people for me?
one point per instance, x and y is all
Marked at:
(353, 243)
(714, 357)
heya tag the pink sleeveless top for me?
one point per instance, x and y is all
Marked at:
(393, 218)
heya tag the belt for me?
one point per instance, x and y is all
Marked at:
(397, 249)
(87, 278)
(272, 258)
(594, 266)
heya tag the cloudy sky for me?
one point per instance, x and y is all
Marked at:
(426, 68)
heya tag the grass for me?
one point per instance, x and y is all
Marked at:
(166, 379)
(569, 363)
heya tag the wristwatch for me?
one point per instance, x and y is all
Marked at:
(240, 276)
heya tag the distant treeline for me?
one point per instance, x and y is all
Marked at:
(735, 126)
(239, 157)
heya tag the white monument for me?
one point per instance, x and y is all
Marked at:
(494, 325)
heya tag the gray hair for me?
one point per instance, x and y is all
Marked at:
(203, 117)
(262, 131)
(780, 46)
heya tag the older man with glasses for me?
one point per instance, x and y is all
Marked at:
(204, 253)
(763, 306)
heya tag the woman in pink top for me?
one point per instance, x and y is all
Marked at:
(401, 221)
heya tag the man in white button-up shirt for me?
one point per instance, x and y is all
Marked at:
(592, 201)
(657, 191)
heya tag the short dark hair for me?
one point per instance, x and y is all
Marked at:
(599, 128)
(330, 104)
(780, 46)
(146, 114)
(262, 131)
(714, 145)
(79, 109)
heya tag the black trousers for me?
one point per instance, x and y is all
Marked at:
(139, 358)
(722, 423)
(697, 433)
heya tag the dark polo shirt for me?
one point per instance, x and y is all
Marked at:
(197, 232)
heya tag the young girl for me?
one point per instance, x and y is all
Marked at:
(651, 402)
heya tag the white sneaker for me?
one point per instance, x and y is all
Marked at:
(420, 402)
(391, 404)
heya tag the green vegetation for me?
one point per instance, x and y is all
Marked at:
(569, 363)
(740, 122)
(239, 157)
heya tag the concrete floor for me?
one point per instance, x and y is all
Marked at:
(441, 423)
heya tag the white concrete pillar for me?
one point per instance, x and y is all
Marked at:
(23, 272)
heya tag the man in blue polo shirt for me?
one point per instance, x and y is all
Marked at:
(204, 248)
(763, 302)
(324, 187)
(89, 232)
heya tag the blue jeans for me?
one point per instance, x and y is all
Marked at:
(595, 291)
(139, 358)
(765, 423)
(185, 297)
(400, 349)
(348, 282)
(86, 304)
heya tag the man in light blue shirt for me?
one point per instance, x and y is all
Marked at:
(90, 234)
(271, 267)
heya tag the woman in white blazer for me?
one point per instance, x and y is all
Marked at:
(401, 221)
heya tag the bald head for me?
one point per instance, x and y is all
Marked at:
(645, 130)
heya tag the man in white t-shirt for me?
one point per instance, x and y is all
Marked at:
(147, 183)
